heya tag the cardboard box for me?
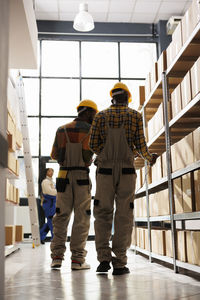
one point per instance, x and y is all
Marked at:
(168, 241)
(187, 192)
(139, 101)
(193, 247)
(190, 19)
(195, 78)
(17, 167)
(154, 75)
(158, 241)
(138, 237)
(196, 144)
(178, 195)
(164, 165)
(176, 101)
(138, 179)
(157, 170)
(142, 238)
(156, 123)
(186, 92)
(153, 205)
(197, 189)
(163, 203)
(11, 162)
(177, 40)
(18, 138)
(147, 86)
(181, 246)
(162, 63)
(149, 175)
(182, 153)
(169, 53)
(9, 235)
(19, 234)
(11, 126)
(133, 241)
(146, 239)
(11, 142)
(17, 196)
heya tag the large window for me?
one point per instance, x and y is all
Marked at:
(69, 71)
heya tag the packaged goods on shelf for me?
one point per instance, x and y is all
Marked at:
(190, 20)
(138, 180)
(11, 162)
(186, 90)
(176, 101)
(149, 175)
(157, 170)
(187, 192)
(195, 78)
(178, 195)
(146, 243)
(193, 247)
(196, 141)
(19, 233)
(139, 101)
(9, 235)
(156, 122)
(10, 125)
(168, 242)
(159, 203)
(164, 165)
(17, 167)
(140, 208)
(158, 241)
(133, 241)
(177, 40)
(182, 153)
(18, 138)
(197, 189)
(154, 75)
(162, 63)
(169, 53)
(140, 237)
(11, 142)
(148, 85)
(181, 245)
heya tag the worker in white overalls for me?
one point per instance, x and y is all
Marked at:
(116, 137)
(48, 204)
(71, 150)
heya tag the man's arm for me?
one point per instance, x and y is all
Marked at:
(96, 143)
(54, 151)
(140, 142)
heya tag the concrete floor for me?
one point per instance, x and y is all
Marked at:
(29, 277)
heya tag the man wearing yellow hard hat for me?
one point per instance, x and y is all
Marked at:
(116, 137)
(71, 150)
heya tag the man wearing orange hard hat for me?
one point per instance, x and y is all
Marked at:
(116, 138)
(71, 150)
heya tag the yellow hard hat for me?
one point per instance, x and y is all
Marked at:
(88, 103)
(120, 85)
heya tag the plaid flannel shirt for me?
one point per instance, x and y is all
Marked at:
(115, 115)
(76, 131)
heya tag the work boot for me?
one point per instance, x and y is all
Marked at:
(103, 267)
(121, 271)
(56, 263)
(75, 265)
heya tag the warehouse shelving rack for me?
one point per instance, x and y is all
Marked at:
(171, 133)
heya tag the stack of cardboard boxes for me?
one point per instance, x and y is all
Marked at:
(13, 234)
(12, 193)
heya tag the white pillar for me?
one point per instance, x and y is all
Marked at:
(4, 14)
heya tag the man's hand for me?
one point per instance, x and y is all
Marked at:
(154, 158)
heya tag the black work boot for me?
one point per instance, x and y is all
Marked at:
(121, 271)
(103, 267)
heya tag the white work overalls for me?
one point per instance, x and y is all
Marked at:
(74, 192)
(115, 182)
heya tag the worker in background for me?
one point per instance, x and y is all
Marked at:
(116, 137)
(49, 203)
(71, 150)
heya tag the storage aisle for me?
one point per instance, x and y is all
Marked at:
(29, 277)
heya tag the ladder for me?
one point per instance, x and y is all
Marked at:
(33, 212)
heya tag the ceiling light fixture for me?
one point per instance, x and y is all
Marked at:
(83, 20)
